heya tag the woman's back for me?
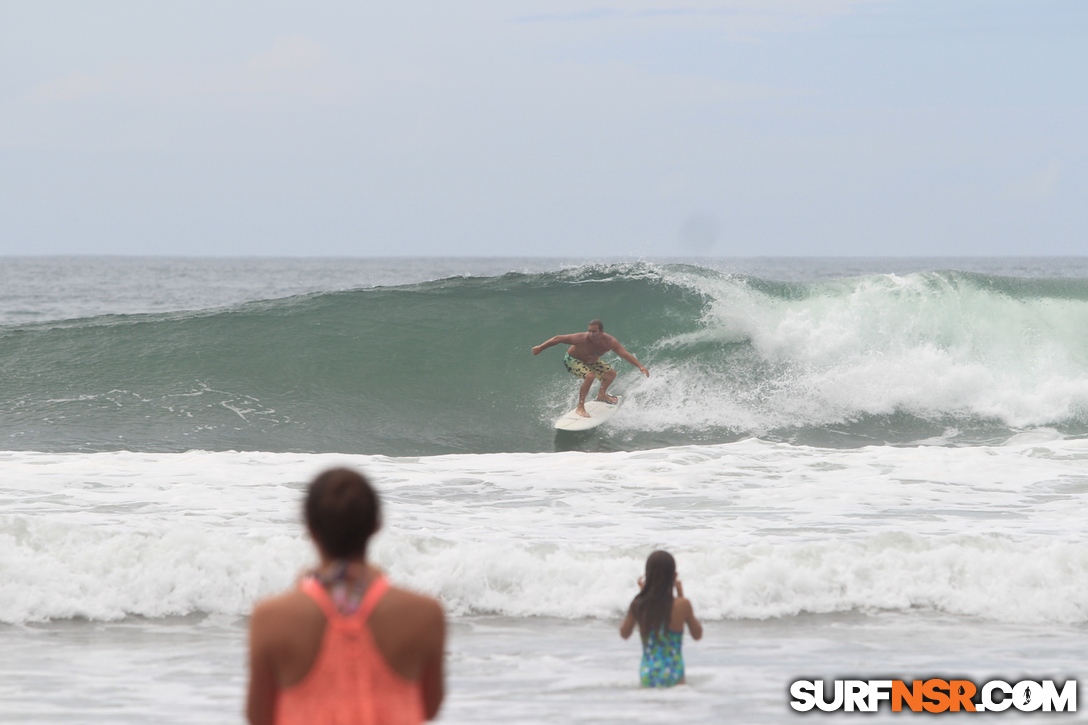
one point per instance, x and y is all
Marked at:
(344, 647)
(350, 679)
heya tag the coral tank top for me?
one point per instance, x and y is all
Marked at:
(350, 683)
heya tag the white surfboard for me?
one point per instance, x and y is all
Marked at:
(599, 411)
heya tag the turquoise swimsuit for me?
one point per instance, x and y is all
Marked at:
(662, 661)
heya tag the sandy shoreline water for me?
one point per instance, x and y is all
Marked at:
(536, 669)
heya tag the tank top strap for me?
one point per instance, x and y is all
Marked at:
(374, 594)
(312, 587)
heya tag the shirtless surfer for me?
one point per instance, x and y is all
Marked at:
(583, 360)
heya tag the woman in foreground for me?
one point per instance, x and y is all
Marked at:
(661, 618)
(345, 647)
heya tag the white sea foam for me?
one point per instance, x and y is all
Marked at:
(929, 345)
(759, 530)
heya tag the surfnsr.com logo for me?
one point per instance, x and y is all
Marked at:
(934, 695)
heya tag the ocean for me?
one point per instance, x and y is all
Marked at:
(866, 468)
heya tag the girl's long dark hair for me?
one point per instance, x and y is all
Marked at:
(653, 605)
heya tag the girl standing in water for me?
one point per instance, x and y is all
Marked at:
(661, 618)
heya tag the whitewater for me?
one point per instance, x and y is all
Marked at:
(863, 467)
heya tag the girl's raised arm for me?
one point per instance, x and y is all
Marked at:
(628, 625)
(694, 626)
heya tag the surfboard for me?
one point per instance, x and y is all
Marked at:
(598, 410)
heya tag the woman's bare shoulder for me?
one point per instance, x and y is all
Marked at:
(682, 603)
(410, 602)
(286, 606)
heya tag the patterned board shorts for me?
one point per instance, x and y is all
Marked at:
(581, 369)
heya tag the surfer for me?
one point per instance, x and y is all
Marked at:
(583, 360)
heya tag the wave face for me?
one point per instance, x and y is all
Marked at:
(937, 357)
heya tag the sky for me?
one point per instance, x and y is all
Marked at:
(594, 129)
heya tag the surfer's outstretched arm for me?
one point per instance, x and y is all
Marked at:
(557, 340)
(622, 352)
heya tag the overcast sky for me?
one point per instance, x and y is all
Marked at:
(751, 127)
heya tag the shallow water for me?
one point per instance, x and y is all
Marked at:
(190, 670)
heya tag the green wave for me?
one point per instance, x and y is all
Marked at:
(445, 366)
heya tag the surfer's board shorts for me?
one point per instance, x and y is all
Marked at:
(582, 369)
